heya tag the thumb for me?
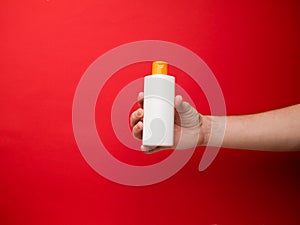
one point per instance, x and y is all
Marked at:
(180, 105)
(188, 116)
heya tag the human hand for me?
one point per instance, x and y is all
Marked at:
(189, 129)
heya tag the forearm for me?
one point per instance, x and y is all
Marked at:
(277, 130)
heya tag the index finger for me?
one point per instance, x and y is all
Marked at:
(141, 99)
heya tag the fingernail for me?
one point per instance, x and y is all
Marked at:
(140, 95)
(139, 126)
(139, 112)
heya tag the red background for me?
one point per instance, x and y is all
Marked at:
(251, 46)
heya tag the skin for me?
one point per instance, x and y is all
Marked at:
(276, 130)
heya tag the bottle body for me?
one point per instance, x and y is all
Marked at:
(158, 123)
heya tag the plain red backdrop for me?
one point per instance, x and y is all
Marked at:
(251, 46)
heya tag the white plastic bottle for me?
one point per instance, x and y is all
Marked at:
(159, 92)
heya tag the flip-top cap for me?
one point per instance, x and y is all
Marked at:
(160, 67)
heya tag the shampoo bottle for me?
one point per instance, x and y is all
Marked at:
(159, 92)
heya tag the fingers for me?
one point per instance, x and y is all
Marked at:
(137, 130)
(136, 116)
(152, 149)
(136, 123)
(148, 149)
(141, 99)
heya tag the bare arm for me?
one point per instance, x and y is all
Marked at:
(276, 130)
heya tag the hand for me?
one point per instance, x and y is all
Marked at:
(189, 131)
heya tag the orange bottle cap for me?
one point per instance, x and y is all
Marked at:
(160, 67)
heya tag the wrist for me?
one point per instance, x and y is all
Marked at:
(204, 130)
(212, 131)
